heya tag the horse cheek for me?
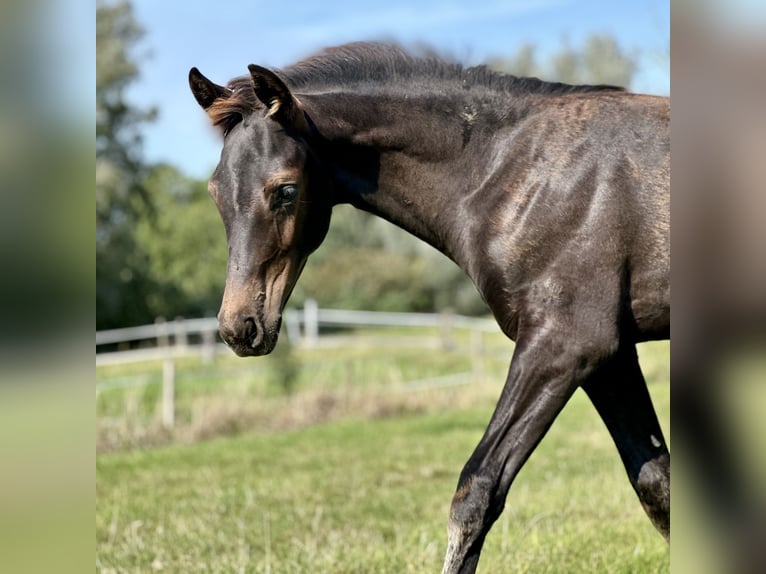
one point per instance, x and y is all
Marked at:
(286, 232)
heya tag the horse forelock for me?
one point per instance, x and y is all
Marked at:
(227, 111)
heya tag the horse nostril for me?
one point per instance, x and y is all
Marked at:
(251, 331)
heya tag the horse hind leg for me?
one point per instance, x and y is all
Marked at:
(622, 400)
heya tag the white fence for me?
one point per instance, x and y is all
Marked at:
(163, 339)
(166, 341)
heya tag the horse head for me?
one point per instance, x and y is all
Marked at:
(272, 196)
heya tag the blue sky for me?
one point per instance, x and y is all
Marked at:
(222, 38)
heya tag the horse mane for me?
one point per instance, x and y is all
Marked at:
(370, 65)
(377, 63)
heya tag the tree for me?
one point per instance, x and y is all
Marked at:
(118, 139)
(184, 244)
(599, 61)
(522, 63)
(121, 200)
(368, 263)
(160, 244)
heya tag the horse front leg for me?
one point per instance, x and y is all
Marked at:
(622, 400)
(545, 370)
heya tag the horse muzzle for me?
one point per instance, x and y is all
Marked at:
(248, 336)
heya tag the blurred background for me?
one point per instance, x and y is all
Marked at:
(386, 346)
(160, 246)
(160, 255)
(179, 507)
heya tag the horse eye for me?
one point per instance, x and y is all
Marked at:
(285, 194)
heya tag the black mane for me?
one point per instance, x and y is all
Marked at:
(362, 64)
(371, 62)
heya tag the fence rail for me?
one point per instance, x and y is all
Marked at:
(302, 326)
(157, 330)
(167, 341)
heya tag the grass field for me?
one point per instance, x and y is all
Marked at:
(290, 388)
(361, 495)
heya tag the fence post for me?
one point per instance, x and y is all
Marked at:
(168, 392)
(292, 326)
(208, 347)
(311, 322)
(179, 334)
(448, 342)
(162, 332)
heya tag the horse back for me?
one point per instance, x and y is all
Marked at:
(581, 203)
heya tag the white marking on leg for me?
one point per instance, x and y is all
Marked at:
(455, 540)
(655, 441)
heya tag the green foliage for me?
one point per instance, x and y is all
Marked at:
(119, 166)
(160, 246)
(367, 263)
(364, 278)
(286, 366)
(522, 63)
(599, 61)
(359, 369)
(121, 200)
(185, 246)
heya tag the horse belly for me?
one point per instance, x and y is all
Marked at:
(650, 306)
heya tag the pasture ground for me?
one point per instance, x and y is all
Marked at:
(356, 494)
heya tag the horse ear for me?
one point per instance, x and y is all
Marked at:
(205, 91)
(275, 95)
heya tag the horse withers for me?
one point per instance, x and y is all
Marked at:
(553, 198)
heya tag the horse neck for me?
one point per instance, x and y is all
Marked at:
(409, 160)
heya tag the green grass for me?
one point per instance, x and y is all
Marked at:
(234, 394)
(373, 496)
